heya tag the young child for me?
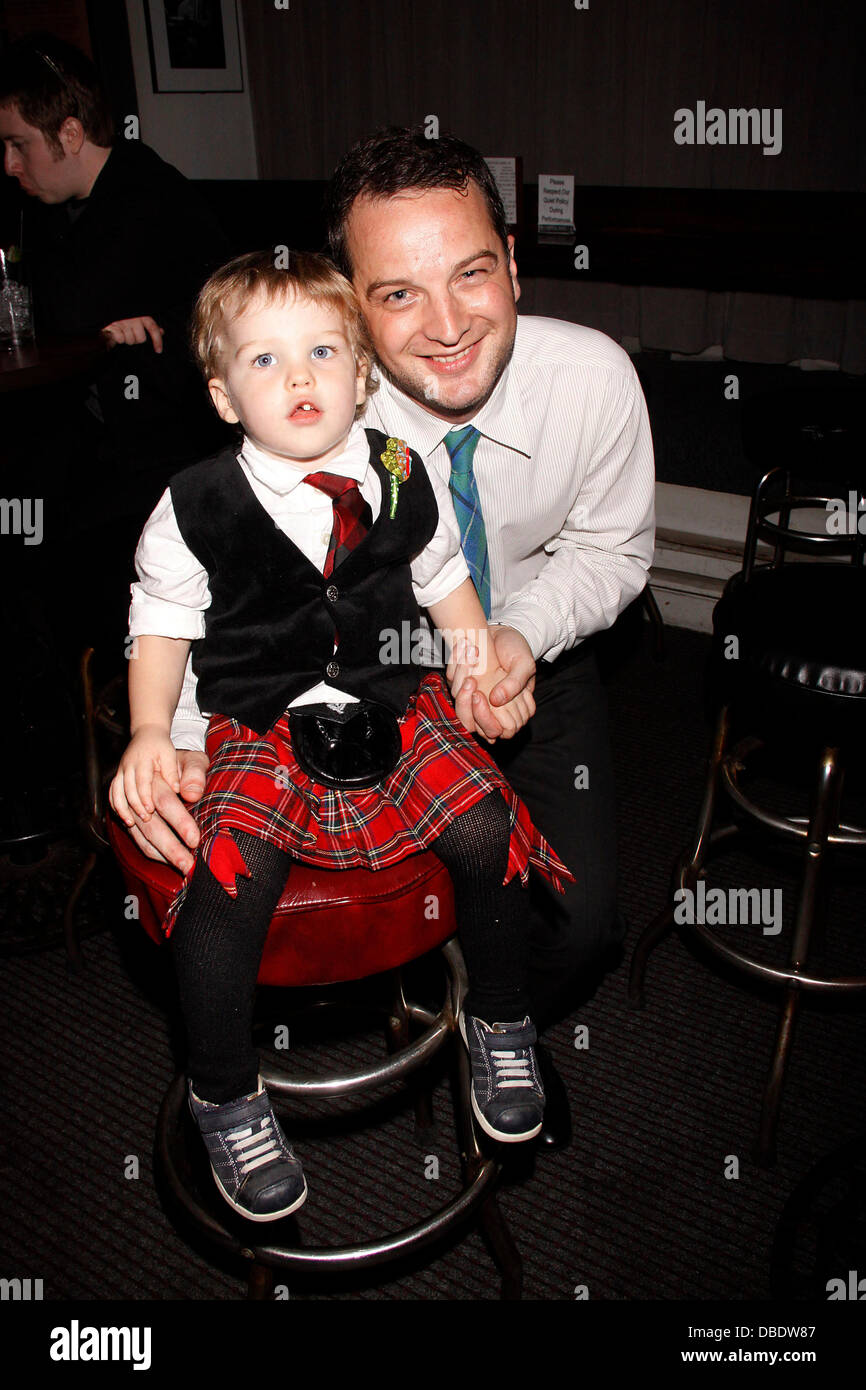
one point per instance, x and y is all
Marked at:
(286, 563)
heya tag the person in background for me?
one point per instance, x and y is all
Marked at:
(116, 242)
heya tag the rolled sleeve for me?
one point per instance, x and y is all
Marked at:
(171, 594)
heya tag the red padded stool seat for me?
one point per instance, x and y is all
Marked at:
(331, 927)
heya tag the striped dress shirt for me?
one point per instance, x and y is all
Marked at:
(564, 468)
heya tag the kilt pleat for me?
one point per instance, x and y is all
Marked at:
(254, 784)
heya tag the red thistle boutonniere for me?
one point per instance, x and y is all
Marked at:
(398, 462)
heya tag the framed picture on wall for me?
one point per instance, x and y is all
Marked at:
(194, 45)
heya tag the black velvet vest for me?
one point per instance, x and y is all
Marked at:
(269, 630)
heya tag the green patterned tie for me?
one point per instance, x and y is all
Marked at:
(460, 444)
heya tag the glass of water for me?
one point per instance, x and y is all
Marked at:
(16, 310)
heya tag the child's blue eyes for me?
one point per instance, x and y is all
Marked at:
(320, 354)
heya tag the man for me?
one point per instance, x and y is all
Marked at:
(120, 245)
(116, 242)
(560, 468)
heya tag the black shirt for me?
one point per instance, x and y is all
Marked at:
(141, 244)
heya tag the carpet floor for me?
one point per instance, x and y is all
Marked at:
(657, 1197)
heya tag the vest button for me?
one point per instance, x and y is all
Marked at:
(332, 670)
(332, 593)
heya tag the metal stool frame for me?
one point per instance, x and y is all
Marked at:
(821, 831)
(480, 1173)
(774, 496)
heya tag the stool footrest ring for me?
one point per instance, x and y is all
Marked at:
(335, 1258)
(839, 984)
(796, 827)
(364, 1078)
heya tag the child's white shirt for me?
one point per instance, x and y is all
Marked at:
(172, 594)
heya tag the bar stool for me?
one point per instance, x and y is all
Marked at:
(332, 927)
(790, 656)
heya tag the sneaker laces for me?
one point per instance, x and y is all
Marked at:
(512, 1068)
(241, 1141)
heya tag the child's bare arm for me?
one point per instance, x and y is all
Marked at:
(461, 616)
(155, 678)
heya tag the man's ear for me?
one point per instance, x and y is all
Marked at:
(220, 397)
(512, 269)
(71, 136)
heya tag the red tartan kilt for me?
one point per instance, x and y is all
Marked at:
(254, 784)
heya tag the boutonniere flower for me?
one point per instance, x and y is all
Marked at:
(398, 462)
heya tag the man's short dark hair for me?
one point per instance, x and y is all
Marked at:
(48, 81)
(398, 158)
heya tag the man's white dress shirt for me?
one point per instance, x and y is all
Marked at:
(565, 476)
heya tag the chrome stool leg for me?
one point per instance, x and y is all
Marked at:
(396, 1038)
(260, 1283)
(825, 818)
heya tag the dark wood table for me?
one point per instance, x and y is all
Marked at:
(49, 360)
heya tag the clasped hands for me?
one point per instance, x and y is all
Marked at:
(498, 703)
(493, 706)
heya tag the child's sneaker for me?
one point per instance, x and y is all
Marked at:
(253, 1165)
(507, 1094)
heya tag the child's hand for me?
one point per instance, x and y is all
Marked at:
(513, 715)
(150, 751)
(462, 662)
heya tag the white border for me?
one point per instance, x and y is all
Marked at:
(169, 79)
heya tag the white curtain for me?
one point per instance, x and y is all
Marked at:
(591, 92)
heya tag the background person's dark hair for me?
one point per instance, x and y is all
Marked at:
(398, 158)
(49, 81)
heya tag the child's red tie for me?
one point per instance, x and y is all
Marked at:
(352, 516)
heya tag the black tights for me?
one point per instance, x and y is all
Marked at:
(217, 943)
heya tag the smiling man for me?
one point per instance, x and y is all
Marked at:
(560, 471)
(540, 429)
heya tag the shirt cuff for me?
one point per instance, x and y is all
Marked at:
(535, 627)
(189, 734)
(447, 579)
(152, 616)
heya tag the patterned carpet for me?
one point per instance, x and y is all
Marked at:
(644, 1205)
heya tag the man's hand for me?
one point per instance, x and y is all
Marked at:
(170, 832)
(475, 711)
(514, 656)
(135, 330)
